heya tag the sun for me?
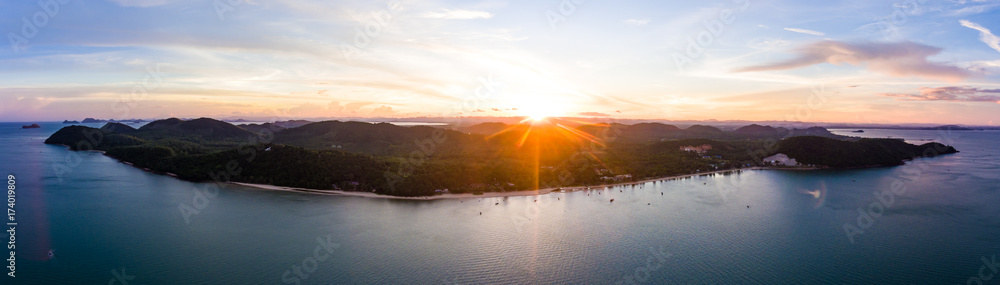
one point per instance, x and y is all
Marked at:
(537, 118)
(539, 110)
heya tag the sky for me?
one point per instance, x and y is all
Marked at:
(913, 61)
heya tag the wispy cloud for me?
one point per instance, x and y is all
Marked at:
(804, 31)
(984, 34)
(985, 66)
(458, 14)
(637, 22)
(594, 114)
(895, 59)
(972, 10)
(950, 93)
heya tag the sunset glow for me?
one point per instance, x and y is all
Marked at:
(672, 61)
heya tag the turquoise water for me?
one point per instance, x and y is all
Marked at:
(108, 222)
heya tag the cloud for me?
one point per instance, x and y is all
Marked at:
(767, 43)
(382, 111)
(972, 10)
(333, 109)
(987, 67)
(984, 34)
(637, 22)
(804, 31)
(594, 114)
(910, 8)
(894, 59)
(950, 93)
(458, 14)
(878, 28)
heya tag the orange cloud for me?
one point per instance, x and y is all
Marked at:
(950, 93)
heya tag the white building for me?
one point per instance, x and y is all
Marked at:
(780, 159)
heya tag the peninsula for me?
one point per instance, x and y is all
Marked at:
(387, 159)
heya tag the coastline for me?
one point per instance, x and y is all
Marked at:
(538, 192)
(71, 149)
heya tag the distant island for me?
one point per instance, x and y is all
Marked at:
(97, 121)
(919, 128)
(32, 126)
(947, 127)
(490, 157)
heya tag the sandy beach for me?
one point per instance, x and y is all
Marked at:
(485, 194)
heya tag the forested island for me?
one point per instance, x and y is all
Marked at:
(422, 160)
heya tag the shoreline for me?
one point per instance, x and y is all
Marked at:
(521, 193)
(538, 192)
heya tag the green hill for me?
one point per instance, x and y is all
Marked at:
(260, 128)
(382, 139)
(202, 129)
(861, 153)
